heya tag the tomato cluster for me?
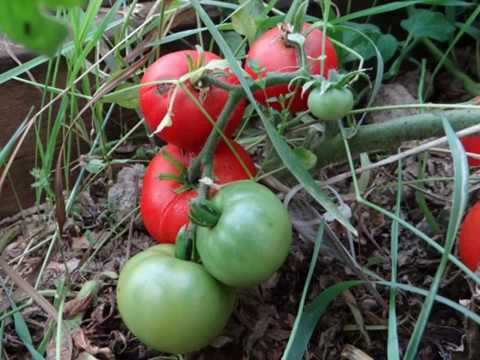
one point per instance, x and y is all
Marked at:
(242, 233)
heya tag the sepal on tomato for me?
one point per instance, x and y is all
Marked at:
(204, 213)
(181, 244)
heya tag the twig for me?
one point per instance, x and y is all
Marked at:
(25, 286)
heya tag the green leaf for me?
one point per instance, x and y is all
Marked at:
(126, 95)
(58, 3)
(236, 43)
(306, 157)
(299, 17)
(25, 22)
(427, 23)
(387, 44)
(94, 166)
(244, 19)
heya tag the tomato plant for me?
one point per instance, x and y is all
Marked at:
(251, 237)
(330, 105)
(163, 205)
(272, 54)
(470, 238)
(189, 126)
(471, 144)
(172, 305)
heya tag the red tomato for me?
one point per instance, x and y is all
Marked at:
(163, 209)
(471, 144)
(190, 127)
(470, 238)
(272, 55)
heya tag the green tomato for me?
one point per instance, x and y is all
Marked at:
(251, 239)
(172, 305)
(330, 105)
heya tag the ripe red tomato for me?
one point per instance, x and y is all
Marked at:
(471, 144)
(190, 127)
(470, 238)
(163, 209)
(271, 54)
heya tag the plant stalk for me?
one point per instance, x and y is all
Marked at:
(470, 85)
(392, 133)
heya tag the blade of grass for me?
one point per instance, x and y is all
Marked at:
(465, 25)
(291, 352)
(313, 311)
(421, 199)
(389, 7)
(393, 350)
(402, 222)
(21, 327)
(460, 198)
(7, 148)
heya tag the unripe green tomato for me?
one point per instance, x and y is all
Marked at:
(172, 305)
(251, 239)
(330, 105)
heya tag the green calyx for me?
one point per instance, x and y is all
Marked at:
(204, 213)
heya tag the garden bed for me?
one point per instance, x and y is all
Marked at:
(63, 253)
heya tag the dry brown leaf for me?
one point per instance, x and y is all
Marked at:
(82, 342)
(76, 306)
(350, 352)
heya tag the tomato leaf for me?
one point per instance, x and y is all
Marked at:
(236, 43)
(25, 22)
(95, 166)
(427, 23)
(244, 19)
(126, 96)
(306, 157)
(387, 44)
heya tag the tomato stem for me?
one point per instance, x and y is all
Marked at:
(392, 134)
(204, 160)
(212, 80)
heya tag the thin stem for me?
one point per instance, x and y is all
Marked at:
(470, 85)
(211, 80)
(236, 94)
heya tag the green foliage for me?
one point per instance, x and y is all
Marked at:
(306, 157)
(244, 18)
(27, 22)
(386, 44)
(428, 23)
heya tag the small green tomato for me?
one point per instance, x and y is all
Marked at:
(330, 105)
